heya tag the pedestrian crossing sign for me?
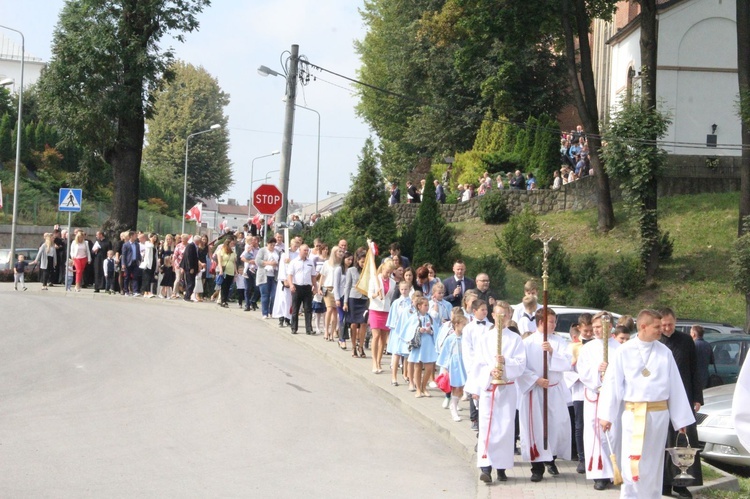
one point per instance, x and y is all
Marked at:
(70, 200)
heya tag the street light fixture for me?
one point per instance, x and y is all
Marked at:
(252, 174)
(269, 174)
(265, 71)
(14, 222)
(317, 172)
(184, 188)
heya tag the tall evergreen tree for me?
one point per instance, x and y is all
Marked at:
(366, 204)
(434, 240)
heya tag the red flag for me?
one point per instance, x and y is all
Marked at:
(223, 225)
(195, 213)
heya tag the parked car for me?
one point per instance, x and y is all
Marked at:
(684, 325)
(716, 430)
(729, 354)
(567, 316)
(6, 267)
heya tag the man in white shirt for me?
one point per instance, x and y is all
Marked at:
(303, 285)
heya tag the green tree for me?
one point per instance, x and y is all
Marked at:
(366, 205)
(434, 240)
(6, 138)
(634, 158)
(191, 102)
(107, 60)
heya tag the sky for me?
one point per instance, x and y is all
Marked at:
(234, 38)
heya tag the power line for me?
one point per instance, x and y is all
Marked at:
(661, 143)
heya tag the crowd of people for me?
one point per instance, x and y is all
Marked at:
(574, 161)
(454, 334)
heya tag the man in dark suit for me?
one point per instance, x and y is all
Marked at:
(395, 195)
(457, 284)
(190, 267)
(439, 192)
(131, 259)
(100, 249)
(412, 194)
(684, 353)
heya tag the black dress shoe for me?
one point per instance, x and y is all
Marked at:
(581, 468)
(682, 492)
(501, 476)
(247, 309)
(600, 484)
(536, 477)
(552, 469)
(486, 475)
(294, 332)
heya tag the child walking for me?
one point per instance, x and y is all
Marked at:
(424, 355)
(18, 269)
(451, 361)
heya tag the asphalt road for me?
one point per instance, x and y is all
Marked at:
(113, 397)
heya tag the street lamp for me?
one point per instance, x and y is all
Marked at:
(286, 143)
(317, 173)
(14, 222)
(252, 174)
(269, 173)
(184, 188)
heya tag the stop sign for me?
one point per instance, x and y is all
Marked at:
(267, 199)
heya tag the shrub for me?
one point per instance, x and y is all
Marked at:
(560, 274)
(666, 246)
(493, 208)
(586, 270)
(596, 292)
(627, 276)
(516, 245)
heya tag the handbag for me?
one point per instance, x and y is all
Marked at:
(219, 279)
(416, 340)
(443, 381)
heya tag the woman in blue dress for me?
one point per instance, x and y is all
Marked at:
(451, 361)
(424, 355)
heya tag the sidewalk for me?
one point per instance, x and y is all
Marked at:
(425, 411)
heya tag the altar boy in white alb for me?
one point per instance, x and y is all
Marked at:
(531, 388)
(642, 376)
(591, 368)
(497, 402)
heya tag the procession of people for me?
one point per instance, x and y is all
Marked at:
(611, 402)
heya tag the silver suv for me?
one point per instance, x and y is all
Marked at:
(684, 326)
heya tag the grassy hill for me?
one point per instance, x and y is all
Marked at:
(695, 282)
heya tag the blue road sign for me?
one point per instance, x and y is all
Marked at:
(70, 200)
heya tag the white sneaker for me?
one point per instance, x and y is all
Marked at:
(432, 384)
(446, 402)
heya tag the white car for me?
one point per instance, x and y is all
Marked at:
(716, 429)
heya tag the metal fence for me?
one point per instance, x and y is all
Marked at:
(92, 214)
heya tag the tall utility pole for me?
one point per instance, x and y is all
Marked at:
(286, 143)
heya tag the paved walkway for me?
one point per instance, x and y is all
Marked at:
(425, 411)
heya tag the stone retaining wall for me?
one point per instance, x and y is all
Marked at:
(579, 195)
(684, 175)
